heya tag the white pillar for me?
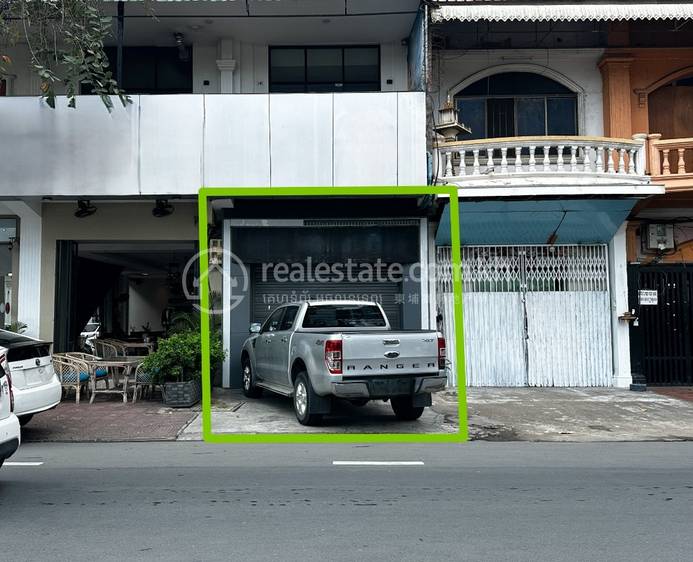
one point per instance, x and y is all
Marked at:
(618, 275)
(226, 314)
(423, 262)
(432, 271)
(28, 282)
(226, 65)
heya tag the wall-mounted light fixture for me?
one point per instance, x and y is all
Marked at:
(162, 208)
(84, 209)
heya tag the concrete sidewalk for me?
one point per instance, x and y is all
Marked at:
(574, 414)
(495, 414)
(234, 413)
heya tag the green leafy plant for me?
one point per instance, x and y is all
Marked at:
(17, 327)
(65, 39)
(179, 357)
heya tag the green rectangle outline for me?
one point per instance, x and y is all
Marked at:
(210, 437)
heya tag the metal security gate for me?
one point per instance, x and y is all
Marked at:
(533, 315)
(662, 340)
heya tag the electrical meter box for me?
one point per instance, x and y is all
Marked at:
(659, 237)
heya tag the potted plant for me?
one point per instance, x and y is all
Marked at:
(176, 365)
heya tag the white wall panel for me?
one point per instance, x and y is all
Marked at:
(171, 144)
(65, 151)
(411, 138)
(236, 141)
(365, 139)
(301, 133)
(174, 144)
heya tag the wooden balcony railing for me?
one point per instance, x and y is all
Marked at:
(541, 155)
(671, 159)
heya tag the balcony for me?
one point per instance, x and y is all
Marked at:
(174, 144)
(550, 165)
(671, 162)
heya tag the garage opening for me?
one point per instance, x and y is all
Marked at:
(125, 290)
(375, 260)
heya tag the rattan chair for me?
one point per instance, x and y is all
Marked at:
(143, 379)
(72, 373)
(105, 349)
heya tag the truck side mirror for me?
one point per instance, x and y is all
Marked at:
(255, 328)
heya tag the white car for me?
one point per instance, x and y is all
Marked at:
(9, 424)
(29, 364)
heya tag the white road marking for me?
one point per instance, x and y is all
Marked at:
(22, 463)
(377, 463)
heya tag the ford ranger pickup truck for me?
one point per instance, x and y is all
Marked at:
(319, 351)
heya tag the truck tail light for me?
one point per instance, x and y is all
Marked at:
(441, 353)
(333, 356)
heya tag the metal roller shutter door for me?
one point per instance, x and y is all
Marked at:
(268, 294)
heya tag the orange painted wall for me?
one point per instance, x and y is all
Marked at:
(646, 66)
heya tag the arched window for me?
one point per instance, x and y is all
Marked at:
(513, 104)
(670, 109)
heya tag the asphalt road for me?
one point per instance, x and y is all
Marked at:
(478, 501)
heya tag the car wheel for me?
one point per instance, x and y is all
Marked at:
(2, 461)
(23, 420)
(248, 381)
(303, 398)
(404, 410)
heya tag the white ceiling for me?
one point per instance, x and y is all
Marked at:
(268, 22)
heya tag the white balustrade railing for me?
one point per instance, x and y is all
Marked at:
(541, 155)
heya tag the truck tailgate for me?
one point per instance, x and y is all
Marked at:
(390, 353)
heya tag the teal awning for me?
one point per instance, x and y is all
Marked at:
(584, 221)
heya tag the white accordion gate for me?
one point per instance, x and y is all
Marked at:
(533, 315)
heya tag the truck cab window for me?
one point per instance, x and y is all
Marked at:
(289, 317)
(274, 321)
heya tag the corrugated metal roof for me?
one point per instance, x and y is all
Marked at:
(469, 10)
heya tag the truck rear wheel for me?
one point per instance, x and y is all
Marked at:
(404, 410)
(248, 381)
(303, 400)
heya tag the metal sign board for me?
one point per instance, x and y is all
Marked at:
(648, 297)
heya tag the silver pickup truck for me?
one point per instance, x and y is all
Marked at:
(319, 351)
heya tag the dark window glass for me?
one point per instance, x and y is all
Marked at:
(473, 115)
(325, 69)
(324, 65)
(561, 115)
(27, 352)
(274, 321)
(343, 316)
(479, 88)
(500, 118)
(517, 104)
(361, 65)
(289, 317)
(152, 70)
(288, 65)
(523, 83)
(531, 117)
